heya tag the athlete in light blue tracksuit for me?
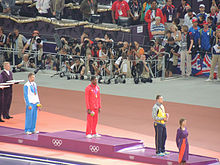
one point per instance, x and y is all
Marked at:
(31, 100)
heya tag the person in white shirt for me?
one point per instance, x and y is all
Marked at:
(43, 7)
(189, 16)
(35, 45)
(32, 104)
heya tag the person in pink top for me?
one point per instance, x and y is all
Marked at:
(93, 105)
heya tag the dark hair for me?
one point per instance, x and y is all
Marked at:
(153, 1)
(189, 10)
(30, 74)
(170, 39)
(158, 96)
(168, 31)
(211, 18)
(93, 78)
(109, 35)
(104, 48)
(176, 21)
(181, 121)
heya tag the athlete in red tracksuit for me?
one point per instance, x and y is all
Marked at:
(93, 105)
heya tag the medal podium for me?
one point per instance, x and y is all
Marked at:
(108, 146)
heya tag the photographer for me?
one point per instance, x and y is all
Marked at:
(99, 47)
(85, 48)
(64, 47)
(176, 34)
(156, 52)
(50, 63)
(16, 41)
(74, 47)
(139, 51)
(104, 63)
(91, 66)
(144, 70)
(78, 67)
(35, 46)
(107, 40)
(172, 48)
(124, 48)
(2, 45)
(62, 53)
(26, 63)
(123, 65)
(2, 37)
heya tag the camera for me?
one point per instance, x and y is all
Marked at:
(73, 42)
(152, 43)
(91, 62)
(174, 47)
(11, 37)
(37, 39)
(31, 60)
(120, 79)
(132, 47)
(86, 42)
(102, 62)
(63, 42)
(109, 45)
(104, 80)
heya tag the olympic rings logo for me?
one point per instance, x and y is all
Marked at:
(94, 148)
(57, 142)
(20, 141)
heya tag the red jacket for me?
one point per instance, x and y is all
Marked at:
(158, 14)
(120, 5)
(92, 94)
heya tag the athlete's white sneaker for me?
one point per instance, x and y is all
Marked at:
(96, 135)
(36, 132)
(89, 136)
(28, 133)
(208, 80)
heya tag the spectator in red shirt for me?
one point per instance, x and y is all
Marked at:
(151, 14)
(120, 8)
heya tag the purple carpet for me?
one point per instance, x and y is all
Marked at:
(114, 147)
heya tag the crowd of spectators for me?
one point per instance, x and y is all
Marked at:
(177, 30)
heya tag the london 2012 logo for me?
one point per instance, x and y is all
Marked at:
(94, 148)
(57, 142)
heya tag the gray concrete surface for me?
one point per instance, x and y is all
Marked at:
(189, 91)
